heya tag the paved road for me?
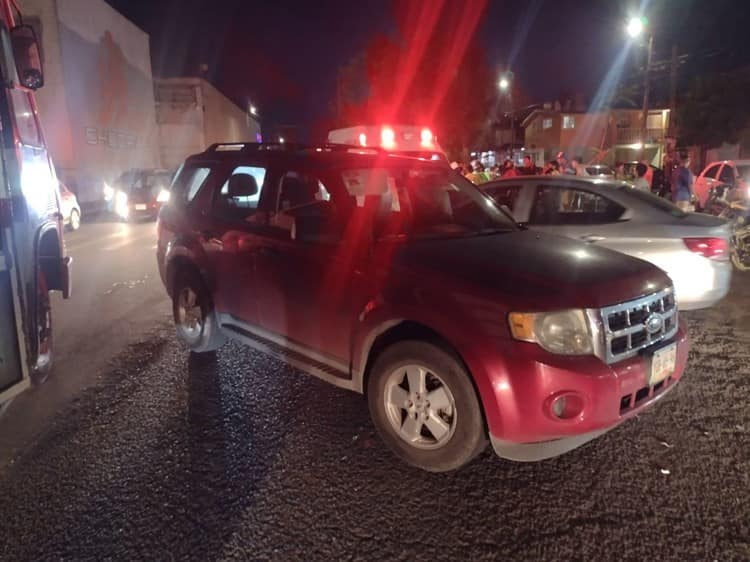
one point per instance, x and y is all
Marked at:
(117, 298)
(236, 456)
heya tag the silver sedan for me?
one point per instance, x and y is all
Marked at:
(692, 248)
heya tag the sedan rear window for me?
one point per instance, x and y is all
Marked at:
(654, 201)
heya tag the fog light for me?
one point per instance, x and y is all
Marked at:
(565, 406)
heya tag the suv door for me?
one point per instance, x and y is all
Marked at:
(310, 291)
(706, 181)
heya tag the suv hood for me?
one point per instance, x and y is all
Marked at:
(536, 271)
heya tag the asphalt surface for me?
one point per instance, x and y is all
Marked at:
(163, 455)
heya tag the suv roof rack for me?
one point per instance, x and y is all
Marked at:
(322, 147)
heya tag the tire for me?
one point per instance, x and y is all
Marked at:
(195, 320)
(392, 404)
(42, 366)
(75, 220)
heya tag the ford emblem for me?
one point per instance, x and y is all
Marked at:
(654, 323)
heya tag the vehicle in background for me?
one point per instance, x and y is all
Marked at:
(32, 258)
(139, 194)
(692, 248)
(71, 211)
(734, 173)
(191, 114)
(407, 140)
(100, 117)
(395, 277)
(601, 171)
(659, 180)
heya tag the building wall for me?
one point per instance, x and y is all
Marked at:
(100, 101)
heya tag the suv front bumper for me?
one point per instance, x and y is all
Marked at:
(524, 427)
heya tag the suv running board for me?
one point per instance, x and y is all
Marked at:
(333, 374)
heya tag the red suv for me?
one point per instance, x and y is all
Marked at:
(397, 278)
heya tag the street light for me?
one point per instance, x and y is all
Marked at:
(635, 27)
(506, 80)
(253, 110)
(281, 140)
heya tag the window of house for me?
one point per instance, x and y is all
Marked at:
(563, 206)
(569, 122)
(547, 123)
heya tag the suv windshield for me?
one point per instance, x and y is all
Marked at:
(654, 201)
(424, 202)
(151, 182)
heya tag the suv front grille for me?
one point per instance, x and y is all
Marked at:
(634, 325)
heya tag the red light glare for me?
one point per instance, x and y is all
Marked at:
(712, 248)
(426, 137)
(362, 139)
(388, 138)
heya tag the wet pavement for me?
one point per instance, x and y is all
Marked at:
(237, 456)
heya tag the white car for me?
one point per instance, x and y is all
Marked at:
(693, 248)
(735, 173)
(70, 208)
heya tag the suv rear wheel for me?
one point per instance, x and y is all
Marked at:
(194, 316)
(424, 407)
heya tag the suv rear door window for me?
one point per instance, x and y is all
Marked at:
(239, 196)
(505, 195)
(565, 206)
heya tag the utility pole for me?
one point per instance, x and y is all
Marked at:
(646, 84)
(672, 91)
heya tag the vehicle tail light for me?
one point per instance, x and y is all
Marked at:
(712, 248)
(6, 213)
(362, 139)
(426, 137)
(388, 138)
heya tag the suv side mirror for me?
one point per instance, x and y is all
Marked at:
(28, 59)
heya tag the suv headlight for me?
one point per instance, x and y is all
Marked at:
(564, 332)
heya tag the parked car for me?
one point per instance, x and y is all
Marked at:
(138, 193)
(734, 173)
(601, 171)
(71, 211)
(395, 277)
(692, 248)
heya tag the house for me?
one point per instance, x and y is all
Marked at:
(607, 136)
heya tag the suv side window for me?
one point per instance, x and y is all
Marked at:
(712, 171)
(727, 175)
(238, 197)
(299, 190)
(565, 206)
(187, 183)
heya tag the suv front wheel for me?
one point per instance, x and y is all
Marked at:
(194, 316)
(424, 406)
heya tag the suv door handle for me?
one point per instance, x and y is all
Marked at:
(591, 238)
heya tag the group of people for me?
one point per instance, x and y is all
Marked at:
(477, 173)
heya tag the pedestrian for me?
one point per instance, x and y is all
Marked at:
(551, 168)
(649, 173)
(509, 170)
(641, 182)
(565, 168)
(576, 167)
(620, 171)
(528, 168)
(476, 173)
(682, 183)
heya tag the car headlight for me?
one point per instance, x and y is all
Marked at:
(163, 196)
(109, 192)
(565, 332)
(121, 204)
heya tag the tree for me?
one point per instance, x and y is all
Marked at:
(714, 109)
(433, 72)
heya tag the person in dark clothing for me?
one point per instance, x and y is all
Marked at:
(528, 168)
(682, 183)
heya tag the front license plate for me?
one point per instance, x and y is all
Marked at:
(663, 362)
(141, 207)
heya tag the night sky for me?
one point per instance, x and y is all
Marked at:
(284, 55)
